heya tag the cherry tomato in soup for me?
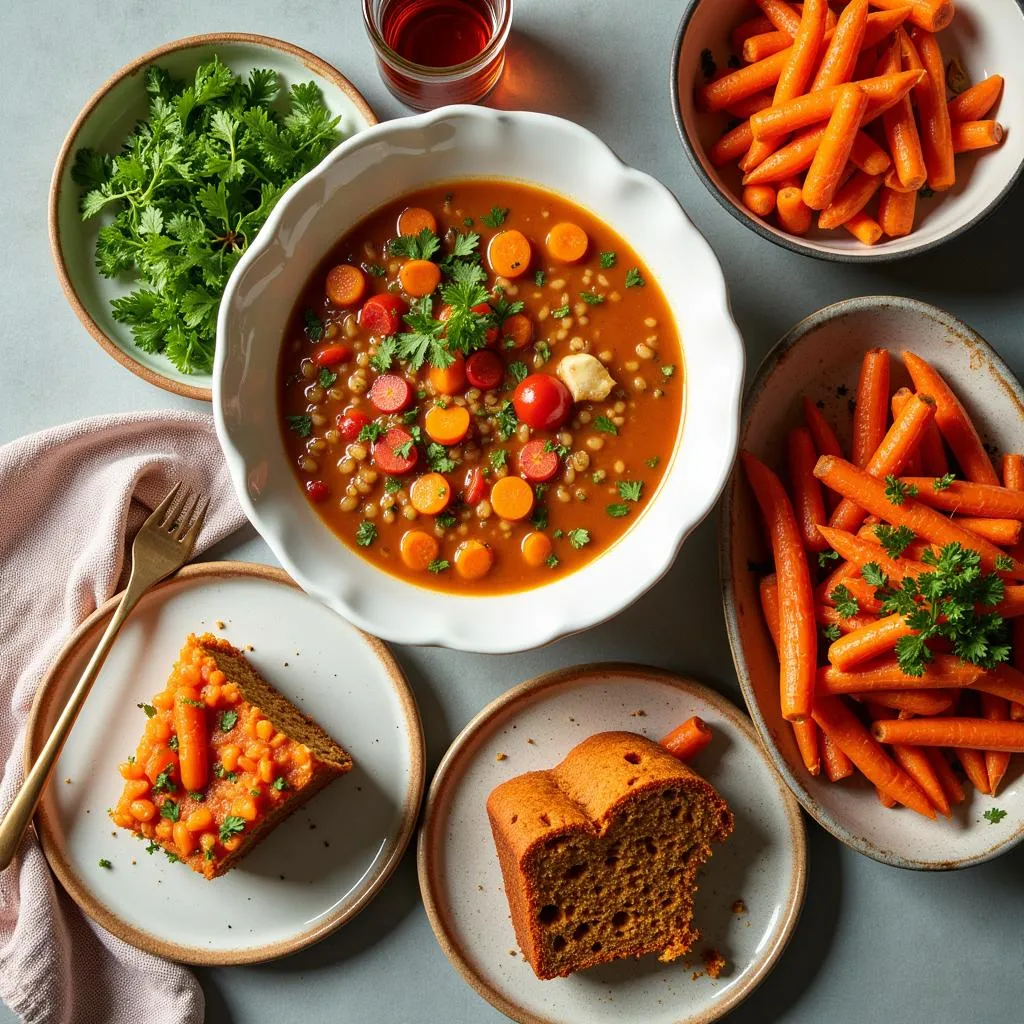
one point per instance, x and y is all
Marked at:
(382, 314)
(537, 463)
(395, 453)
(390, 393)
(475, 487)
(332, 355)
(485, 370)
(351, 423)
(542, 401)
(317, 490)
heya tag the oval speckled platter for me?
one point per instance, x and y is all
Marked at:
(534, 725)
(319, 867)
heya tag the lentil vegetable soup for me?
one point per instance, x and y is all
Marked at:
(480, 387)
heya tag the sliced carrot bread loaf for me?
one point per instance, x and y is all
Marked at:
(600, 854)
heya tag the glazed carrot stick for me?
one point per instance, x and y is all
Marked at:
(193, 739)
(742, 82)
(686, 741)
(899, 441)
(995, 709)
(860, 552)
(952, 420)
(868, 155)
(759, 199)
(797, 632)
(971, 135)
(765, 44)
(834, 149)
(933, 15)
(869, 642)
(812, 108)
(933, 452)
(871, 413)
(914, 762)
(936, 133)
(916, 702)
(865, 229)
(927, 523)
(751, 105)
(884, 799)
(796, 156)
(896, 212)
(840, 58)
(837, 765)
(732, 145)
(826, 615)
(807, 736)
(900, 397)
(901, 133)
(768, 590)
(1013, 478)
(793, 213)
(846, 731)
(881, 24)
(842, 574)
(848, 202)
(944, 773)
(971, 760)
(864, 594)
(783, 17)
(808, 499)
(745, 29)
(1004, 532)
(970, 733)
(974, 103)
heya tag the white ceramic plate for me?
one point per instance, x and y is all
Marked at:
(987, 36)
(536, 724)
(314, 871)
(374, 167)
(105, 122)
(821, 358)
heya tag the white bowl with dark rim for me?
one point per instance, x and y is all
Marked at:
(376, 167)
(820, 358)
(106, 121)
(988, 38)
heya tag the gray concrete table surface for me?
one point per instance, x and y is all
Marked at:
(874, 943)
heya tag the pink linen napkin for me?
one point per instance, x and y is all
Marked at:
(71, 499)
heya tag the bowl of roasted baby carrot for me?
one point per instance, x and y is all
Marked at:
(873, 571)
(865, 130)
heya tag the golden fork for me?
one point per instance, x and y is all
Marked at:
(161, 547)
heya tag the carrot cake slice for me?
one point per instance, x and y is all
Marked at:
(224, 758)
(600, 854)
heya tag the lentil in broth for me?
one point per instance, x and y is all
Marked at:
(539, 444)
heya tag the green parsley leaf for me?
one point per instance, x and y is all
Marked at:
(312, 325)
(506, 421)
(629, 490)
(607, 260)
(404, 450)
(897, 492)
(560, 313)
(503, 309)
(592, 298)
(148, 709)
(942, 482)
(104, 863)
(496, 217)
(543, 350)
(197, 796)
(559, 449)
(993, 816)
(667, 371)
(372, 431)
(221, 773)
(230, 826)
(498, 458)
(617, 511)
(438, 565)
(606, 426)
(382, 359)
(578, 538)
(301, 425)
(895, 539)
(653, 461)
(464, 244)
(538, 278)
(551, 561)
(832, 633)
(873, 575)
(439, 459)
(172, 858)
(825, 558)
(415, 247)
(326, 378)
(375, 270)
(164, 782)
(152, 847)
(634, 279)
(228, 720)
(366, 533)
(518, 371)
(558, 534)
(173, 742)
(170, 810)
(1004, 563)
(280, 784)
(425, 338)
(846, 604)
(539, 518)
(392, 485)
(446, 520)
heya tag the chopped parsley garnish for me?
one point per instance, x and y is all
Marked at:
(897, 492)
(506, 421)
(192, 186)
(152, 847)
(498, 458)
(467, 222)
(832, 632)
(173, 742)
(170, 810)
(942, 482)
(147, 709)
(543, 350)
(326, 378)
(198, 796)
(560, 313)
(592, 298)
(539, 518)
(634, 279)
(578, 538)
(439, 459)
(410, 416)
(943, 604)
(280, 784)
(415, 247)
(301, 425)
(559, 449)
(404, 450)
(538, 279)
(392, 485)
(375, 270)
(446, 520)
(464, 244)
(846, 604)
(221, 773)
(872, 574)
(104, 863)
(191, 702)
(164, 783)
(312, 325)
(667, 371)
(372, 431)
(228, 720)
(630, 490)
(895, 539)
(438, 565)
(1004, 563)
(503, 309)
(496, 217)
(826, 557)
(551, 561)
(606, 426)
(366, 533)
(558, 534)
(518, 371)
(607, 259)
(653, 461)
(616, 510)
(230, 826)
(993, 816)
(385, 355)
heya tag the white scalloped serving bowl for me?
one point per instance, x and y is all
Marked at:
(374, 167)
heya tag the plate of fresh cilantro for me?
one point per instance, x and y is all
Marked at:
(167, 175)
(896, 417)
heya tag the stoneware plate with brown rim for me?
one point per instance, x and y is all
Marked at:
(105, 122)
(820, 358)
(763, 863)
(319, 867)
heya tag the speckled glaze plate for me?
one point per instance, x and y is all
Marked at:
(534, 725)
(318, 868)
(820, 357)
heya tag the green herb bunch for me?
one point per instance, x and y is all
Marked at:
(194, 182)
